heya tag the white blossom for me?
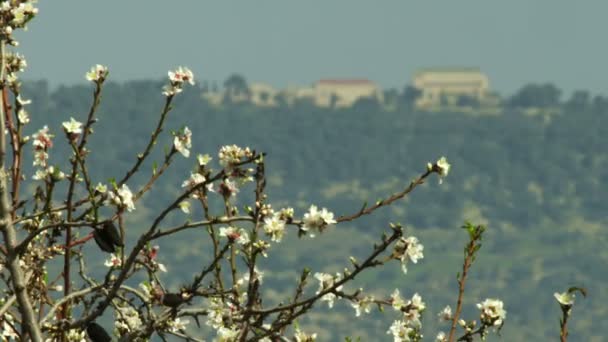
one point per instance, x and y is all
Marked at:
(97, 73)
(408, 249)
(492, 312)
(177, 325)
(183, 142)
(194, 180)
(442, 167)
(114, 261)
(400, 331)
(274, 227)
(101, 188)
(317, 219)
(235, 234)
(23, 116)
(566, 298)
(364, 304)
(72, 126)
(445, 314)
(123, 197)
(185, 206)
(203, 159)
(182, 74)
(127, 319)
(75, 335)
(441, 337)
(176, 81)
(8, 333)
(301, 336)
(226, 334)
(232, 154)
(42, 139)
(327, 281)
(396, 301)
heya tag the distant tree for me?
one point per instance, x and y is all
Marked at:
(579, 101)
(409, 96)
(367, 104)
(236, 85)
(600, 104)
(536, 95)
(391, 97)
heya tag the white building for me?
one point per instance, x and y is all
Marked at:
(439, 85)
(344, 92)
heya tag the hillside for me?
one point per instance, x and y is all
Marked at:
(538, 182)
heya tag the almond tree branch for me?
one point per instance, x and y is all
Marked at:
(368, 210)
(8, 230)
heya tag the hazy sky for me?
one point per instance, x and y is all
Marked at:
(285, 41)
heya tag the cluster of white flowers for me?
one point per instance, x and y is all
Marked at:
(15, 63)
(411, 309)
(408, 249)
(114, 261)
(122, 198)
(441, 166)
(327, 281)
(177, 79)
(492, 312)
(364, 304)
(42, 142)
(230, 155)
(127, 320)
(445, 314)
(182, 142)
(441, 337)
(219, 317)
(8, 332)
(177, 325)
(316, 219)
(194, 180)
(97, 74)
(401, 331)
(74, 335)
(227, 334)
(50, 172)
(22, 114)
(232, 233)
(301, 336)
(13, 15)
(274, 226)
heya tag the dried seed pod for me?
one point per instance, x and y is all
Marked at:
(107, 237)
(97, 333)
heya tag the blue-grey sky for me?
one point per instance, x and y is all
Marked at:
(284, 41)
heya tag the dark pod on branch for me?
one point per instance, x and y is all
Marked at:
(97, 333)
(174, 300)
(107, 237)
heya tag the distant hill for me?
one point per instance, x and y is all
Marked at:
(540, 183)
